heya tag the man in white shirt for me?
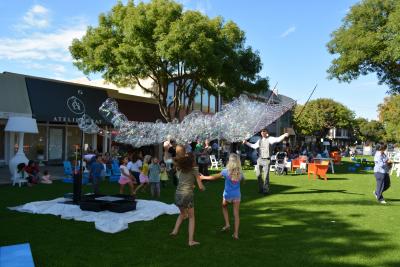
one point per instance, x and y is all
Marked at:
(381, 172)
(264, 157)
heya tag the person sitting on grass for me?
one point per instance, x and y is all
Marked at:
(46, 178)
(187, 174)
(33, 172)
(233, 175)
(126, 177)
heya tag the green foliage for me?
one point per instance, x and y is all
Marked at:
(368, 41)
(389, 112)
(367, 131)
(320, 115)
(160, 41)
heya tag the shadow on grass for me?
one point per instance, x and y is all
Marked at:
(321, 191)
(274, 231)
(289, 236)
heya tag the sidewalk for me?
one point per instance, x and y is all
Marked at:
(56, 172)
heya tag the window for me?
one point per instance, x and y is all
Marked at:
(204, 101)
(171, 93)
(212, 104)
(2, 136)
(197, 99)
(35, 144)
(73, 141)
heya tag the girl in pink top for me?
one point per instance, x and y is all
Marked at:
(126, 177)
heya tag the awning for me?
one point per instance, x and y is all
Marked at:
(14, 98)
(57, 101)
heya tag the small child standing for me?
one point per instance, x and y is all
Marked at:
(144, 173)
(154, 178)
(126, 177)
(46, 178)
(233, 175)
(96, 172)
(163, 174)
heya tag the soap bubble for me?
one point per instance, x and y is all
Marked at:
(237, 121)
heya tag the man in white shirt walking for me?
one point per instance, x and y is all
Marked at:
(381, 172)
(264, 157)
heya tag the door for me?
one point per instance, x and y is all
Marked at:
(2, 142)
(56, 144)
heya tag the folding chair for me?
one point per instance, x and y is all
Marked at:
(214, 162)
(115, 172)
(19, 178)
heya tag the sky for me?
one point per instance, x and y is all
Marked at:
(290, 36)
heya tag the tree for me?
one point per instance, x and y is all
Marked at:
(320, 115)
(158, 40)
(366, 131)
(368, 42)
(389, 112)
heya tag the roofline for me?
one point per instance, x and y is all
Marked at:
(112, 93)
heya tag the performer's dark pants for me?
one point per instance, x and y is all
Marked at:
(263, 164)
(382, 184)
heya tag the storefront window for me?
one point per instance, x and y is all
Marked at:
(212, 104)
(35, 144)
(171, 93)
(204, 101)
(88, 144)
(2, 144)
(73, 142)
(197, 99)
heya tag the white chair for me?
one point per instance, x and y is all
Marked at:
(214, 162)
(19, 178)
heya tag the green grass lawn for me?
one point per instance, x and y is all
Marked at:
(302, 223)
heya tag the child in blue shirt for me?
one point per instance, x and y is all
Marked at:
(96, 171)
(154, 178)
(233, 175)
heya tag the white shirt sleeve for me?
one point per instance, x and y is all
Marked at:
(129, 165)
(255, 145)
(139, 163)
(272, 140)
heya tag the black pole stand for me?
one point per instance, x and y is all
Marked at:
(78, 175)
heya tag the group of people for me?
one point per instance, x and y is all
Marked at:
(31, 173)
(188, 174)
(140, 175)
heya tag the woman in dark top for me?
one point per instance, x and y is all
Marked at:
(33, 172)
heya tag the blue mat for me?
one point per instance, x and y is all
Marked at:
(16, 256)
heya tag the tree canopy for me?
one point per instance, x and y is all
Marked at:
(389, 112)
(368, 42)
(369, 131)
(320, 115)
(160, 41)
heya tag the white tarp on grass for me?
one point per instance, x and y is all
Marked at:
(106, 221)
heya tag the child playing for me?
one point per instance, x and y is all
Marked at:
(126, 177)
(144, 173)
(187, 175)
(233, 175)
(96, 172)
(46, 178)
(154, 178)
(163, 174)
